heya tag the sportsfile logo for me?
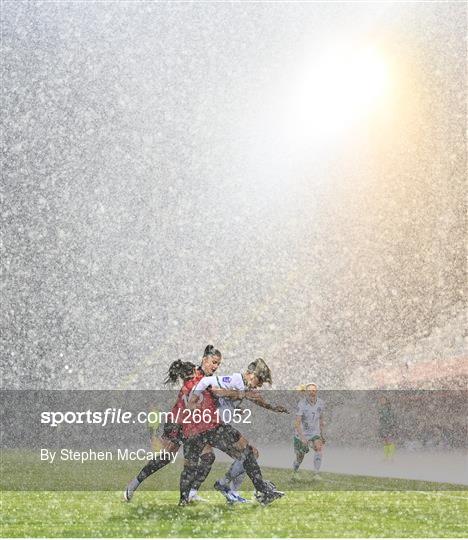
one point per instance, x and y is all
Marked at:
(118, 416)
(103, 418)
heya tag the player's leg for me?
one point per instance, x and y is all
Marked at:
(238, 475)
(317, 444)
(236, 482)
(203, 470)
(231, 482)
(249, 461)
(389, 448)
(235, 474)
(151, 467)
(230, 441)
(297, 462)
(193, 448)
(300, 450)
(236, 468)
(223, 485)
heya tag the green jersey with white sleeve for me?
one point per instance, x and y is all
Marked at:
(310, 414)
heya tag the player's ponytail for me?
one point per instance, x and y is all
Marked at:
(211, 351)
(179, 369)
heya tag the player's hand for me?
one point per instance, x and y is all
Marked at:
(305, 441)
(281, 409)
(254, 396)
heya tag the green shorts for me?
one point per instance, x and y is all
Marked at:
(302, 448)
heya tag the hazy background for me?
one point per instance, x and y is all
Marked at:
(171, 179)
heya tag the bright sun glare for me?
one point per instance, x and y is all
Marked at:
(339, 88)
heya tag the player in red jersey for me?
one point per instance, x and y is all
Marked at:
(172, 437)
(203, 427)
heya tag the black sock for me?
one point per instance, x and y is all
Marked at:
(203, 469)
(187, 478)
(151, 467)
(253, 470)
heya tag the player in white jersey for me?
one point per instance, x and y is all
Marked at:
(309, 426)
(230, 391)
(226, 404)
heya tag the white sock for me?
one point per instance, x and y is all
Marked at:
(236, 482)
(317, 461)
(132, 486)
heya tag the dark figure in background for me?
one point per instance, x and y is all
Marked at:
(387, 427)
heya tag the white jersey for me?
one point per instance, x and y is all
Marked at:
(310, 414)
(229, 382)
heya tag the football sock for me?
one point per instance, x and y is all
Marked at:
(151, 467)
(389, 450)
(187, 478)
(237, 482)
(236, 469)
(385, 450)
(203, 469)
(297, 462)
(133, 485)
(253, 470)
(317, 461)
(237, 473)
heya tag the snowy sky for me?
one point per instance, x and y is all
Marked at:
(166, 187)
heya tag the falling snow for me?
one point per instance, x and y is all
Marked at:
(155, 199)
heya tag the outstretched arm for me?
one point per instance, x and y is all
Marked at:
(257, 398)
(228, 393)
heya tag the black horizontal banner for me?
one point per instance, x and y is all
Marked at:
(98, 440)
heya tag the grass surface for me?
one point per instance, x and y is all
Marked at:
(321, 511)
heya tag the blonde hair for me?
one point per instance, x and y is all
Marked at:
(305, 387)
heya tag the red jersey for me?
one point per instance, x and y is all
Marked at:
(182, 397)
(206, 415)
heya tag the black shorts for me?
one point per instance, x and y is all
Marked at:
(173, 433)
(223, 437)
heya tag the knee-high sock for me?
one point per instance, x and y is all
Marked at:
(298, 461)
(151, 467)
(317, 461)
(187, 478)
(236, 469)
(389, 450)
(236, 482)
(203, 469)
(235, 475)
(253, 470)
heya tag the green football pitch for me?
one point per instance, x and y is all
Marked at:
(336, 506)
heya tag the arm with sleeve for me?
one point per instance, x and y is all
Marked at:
(204, 384)
(226, 382)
